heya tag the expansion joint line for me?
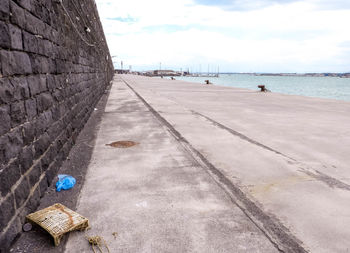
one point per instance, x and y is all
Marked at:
(240, 135)
(75, 27)
(271, 227)
(326, 179)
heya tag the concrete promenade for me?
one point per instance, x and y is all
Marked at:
(155, 195)
(218, 169)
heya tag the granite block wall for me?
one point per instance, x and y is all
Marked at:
(54, 67)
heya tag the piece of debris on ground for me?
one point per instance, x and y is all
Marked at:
(58, 220)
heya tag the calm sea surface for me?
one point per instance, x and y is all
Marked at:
(322, 87)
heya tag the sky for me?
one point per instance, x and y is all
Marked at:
(234, 36)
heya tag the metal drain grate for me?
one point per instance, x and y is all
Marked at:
(122, 144)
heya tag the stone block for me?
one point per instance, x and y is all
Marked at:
(33, 201)
(48, 158)
(11, 233)
(14, 62)
(40, 64)
(9, 176)
(30, 42)
(44, 101)
(3, 144)
(43, 83)
(7, 210)
(36, 63)
(5, 119)
(41, 145)
(46, 17)
(16, 37)
(20, 86)
(37, 84)
(4, 10)
(59, 81)
(5, 38)
(61, 140)
(66, 148)
(40, 126)
(61, 66)
(55, 130)
(47, 45)
(52, 171)
(37, 9)
(51, 65)
(48, 119)
(70, 104)
(31, 109)
(55, 113)
(6, 91)
(27, 4)
(34, 84)
(17, 16)
(53, 151)
(42, 123)
(31, 23)
(51, 82)
(18, 113)
(28, 132)
(40, 27)
(22, 192)
(34, 174)
(49, 35)
(26, 158)
(43, 185)
(14, 143)
(41, 48)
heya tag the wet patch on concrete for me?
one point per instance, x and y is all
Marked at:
(267, 188)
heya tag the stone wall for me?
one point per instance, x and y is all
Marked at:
(54, 67)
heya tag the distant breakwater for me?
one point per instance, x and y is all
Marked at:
(299, 84)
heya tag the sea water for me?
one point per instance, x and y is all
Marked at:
(322, 87)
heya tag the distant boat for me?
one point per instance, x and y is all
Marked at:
(200, 74)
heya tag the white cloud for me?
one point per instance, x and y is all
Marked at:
(297, 36)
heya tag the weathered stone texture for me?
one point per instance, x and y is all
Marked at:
(4, 9)
(5, 38)
(16, 37)
(50, 81)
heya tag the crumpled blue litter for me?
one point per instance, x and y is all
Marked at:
(65, 182)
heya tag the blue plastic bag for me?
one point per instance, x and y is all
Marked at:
(65, 182)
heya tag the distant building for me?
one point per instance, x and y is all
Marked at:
(165, 72)
(121, 71)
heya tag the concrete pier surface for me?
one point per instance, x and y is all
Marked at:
(217, 169)
(155, 196)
